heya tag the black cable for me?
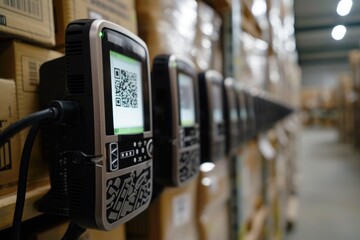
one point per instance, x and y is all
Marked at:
(73, 232)
(23, 173)
(26, 122)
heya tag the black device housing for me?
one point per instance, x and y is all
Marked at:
(243, 115)
(176, 148)
(251, 130)
(232, 116)
(212, 134)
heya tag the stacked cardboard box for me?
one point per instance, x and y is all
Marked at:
(252, 196)
(320, 105)
(28, 20)
(347, 98)
(208, 51)
(220, 6)
(292, 126)
(10, 152)
(168, 27)
(267, 146)
(120, 12)
(170, 217)
(354, 58)
(282, 157)
(213, 199)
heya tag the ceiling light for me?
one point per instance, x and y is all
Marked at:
(344, 7)
(338, 32)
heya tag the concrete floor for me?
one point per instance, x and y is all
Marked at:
(329, 188)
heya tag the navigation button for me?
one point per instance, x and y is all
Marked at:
(149, 148)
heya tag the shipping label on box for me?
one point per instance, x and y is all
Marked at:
(31, 20)
(23, 62)
(181, 209)
(176, 213)
(9, 152)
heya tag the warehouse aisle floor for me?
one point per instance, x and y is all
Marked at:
(329, 186)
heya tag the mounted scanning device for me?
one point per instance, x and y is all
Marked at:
(100, 161)
(176, 120)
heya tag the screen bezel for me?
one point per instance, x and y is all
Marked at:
(180, 71)
(213, 85)
(183, 67)
(131, 49)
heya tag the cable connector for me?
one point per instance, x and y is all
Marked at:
(66, 111)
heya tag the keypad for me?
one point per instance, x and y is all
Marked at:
(128, 154)
(189, 164)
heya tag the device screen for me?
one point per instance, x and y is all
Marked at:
(127, 97)
(217, 104)
(187, 100)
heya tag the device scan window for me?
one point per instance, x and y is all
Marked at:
(217, 104)
(127, 98)
(187, 101)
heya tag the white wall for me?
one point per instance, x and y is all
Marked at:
(322, 75)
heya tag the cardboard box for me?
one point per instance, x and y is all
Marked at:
(168, 27)
(220, 6)
(213, 200)
(116, 234)
(214, 224)
(10, 152)
(22, 63)
(251, 181)
(57, 232)
(208, 48)
(214, 185)
(257, 227)
(170, 217)
(29, 20)
(121, 12)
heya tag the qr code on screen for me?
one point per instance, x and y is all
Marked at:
(126, 88)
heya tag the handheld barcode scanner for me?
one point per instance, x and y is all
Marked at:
(101, 162)
(212, 116)
(176, 120)
(232, 117)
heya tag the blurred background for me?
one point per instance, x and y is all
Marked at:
(294, 178)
